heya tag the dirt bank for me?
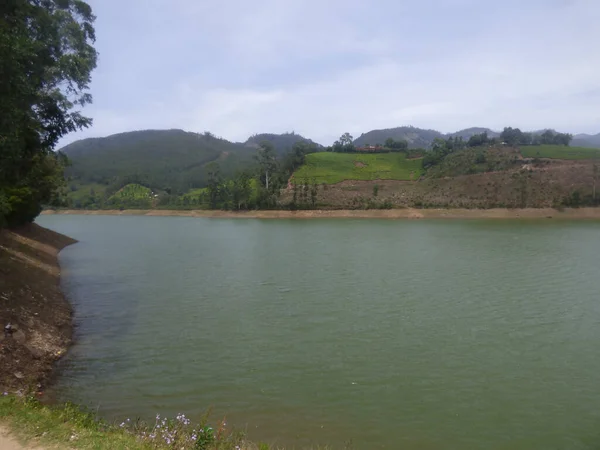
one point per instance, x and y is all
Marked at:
(32, 303)
(406, 213)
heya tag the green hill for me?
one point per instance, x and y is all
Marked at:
(331, 168)
(170, 160)
(416, 137)
(282, 142)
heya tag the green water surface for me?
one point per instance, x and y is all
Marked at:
(388, 334)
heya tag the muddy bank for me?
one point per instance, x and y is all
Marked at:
(32, 303)
(407, 213)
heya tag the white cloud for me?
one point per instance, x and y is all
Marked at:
(322, 68)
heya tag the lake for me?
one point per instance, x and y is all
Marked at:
(386, 334)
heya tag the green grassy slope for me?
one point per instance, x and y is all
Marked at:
(559, 152)
(330, 168)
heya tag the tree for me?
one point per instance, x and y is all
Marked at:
(46, 59)
(314, 189)
(241, 191)
(214, 184)
(595, 177)
(512, 136)
(267, 162)
(346, 139)
(478, 139)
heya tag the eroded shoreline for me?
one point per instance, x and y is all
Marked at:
(408, 213)
(32, 306)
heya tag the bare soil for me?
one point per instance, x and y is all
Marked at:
(402, 213)
(32, 303)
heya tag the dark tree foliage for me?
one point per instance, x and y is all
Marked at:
(478, 139)
(442, 148)
(46, 60)
(514, 137)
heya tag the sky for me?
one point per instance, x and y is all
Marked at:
(324, 67)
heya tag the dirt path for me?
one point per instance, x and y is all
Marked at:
(8, 443)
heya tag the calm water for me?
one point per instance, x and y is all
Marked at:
(391, 334)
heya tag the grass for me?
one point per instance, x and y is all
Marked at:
(132, 192)
(331, 168)
(63, 426)
(559, 152)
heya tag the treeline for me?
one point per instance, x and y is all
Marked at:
(345, 144)
(261, 189)
(258, 188)
(514, 136)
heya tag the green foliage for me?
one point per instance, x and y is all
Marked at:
(514, 137)
(478, 139)
(559, 152)
(132, 196)
(441, 149)
(47, 59)
(173, 161)
(282, 143)
(344, 144)
(473, 160)
(68, 426)
(331, 168)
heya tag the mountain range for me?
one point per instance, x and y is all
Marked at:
(175, 160)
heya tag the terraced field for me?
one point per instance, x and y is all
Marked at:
(331, 168)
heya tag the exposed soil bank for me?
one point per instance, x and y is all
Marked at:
(407, 213)
(32, 303)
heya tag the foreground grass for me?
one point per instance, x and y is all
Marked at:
(559, 152)
(67, 426)
(331, 168)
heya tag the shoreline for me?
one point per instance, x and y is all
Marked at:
(407, 213)
(32, 301)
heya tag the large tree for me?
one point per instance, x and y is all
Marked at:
(46, 60)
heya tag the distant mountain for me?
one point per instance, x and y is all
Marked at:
(586, 140)
(468, 132)
(161, 159)
(282, 142)
(416, 137)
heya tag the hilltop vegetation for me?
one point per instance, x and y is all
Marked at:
(168, 160)
(282, 143)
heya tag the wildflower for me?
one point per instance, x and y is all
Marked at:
(6, 393)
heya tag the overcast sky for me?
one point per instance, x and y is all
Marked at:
(323, 67)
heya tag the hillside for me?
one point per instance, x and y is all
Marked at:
(171, 160)
(282, 142)
(586, 140)
(416, 137)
